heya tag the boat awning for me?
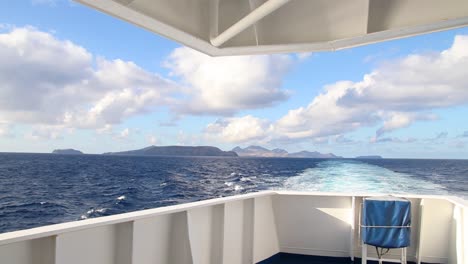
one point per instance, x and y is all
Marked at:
(234, 27)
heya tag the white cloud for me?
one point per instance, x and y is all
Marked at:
(398, 93)
(439, 138)
(48, 132)
(6, 130)
(185, 139)
(417, 82)
(458, 144)
(392, 140)
(442, 135)
(55, 85)
(225, 85)
(341, 139)
(106, 129)
(124, 133)
(50, 83)
(152, 140)
(397, 120)
(304, 55)
(324, 117)
(127, 90)
(239, 130)
(47, 81)
(394, 95)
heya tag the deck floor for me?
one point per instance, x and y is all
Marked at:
(286, 258)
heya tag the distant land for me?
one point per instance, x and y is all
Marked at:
(177, 151)
(257, 151)
(369, 157)
(250, 151)
(67, 151)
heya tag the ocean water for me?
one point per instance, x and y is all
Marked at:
(42, 189)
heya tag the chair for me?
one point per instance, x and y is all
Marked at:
(385, 224)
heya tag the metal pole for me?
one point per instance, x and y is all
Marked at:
(254, 16)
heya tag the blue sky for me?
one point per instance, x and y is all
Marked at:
(71, 77)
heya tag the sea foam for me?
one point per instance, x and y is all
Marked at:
(356, 176)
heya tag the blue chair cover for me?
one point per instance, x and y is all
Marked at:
(386, 222)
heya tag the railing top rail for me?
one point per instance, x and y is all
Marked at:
(52, 230)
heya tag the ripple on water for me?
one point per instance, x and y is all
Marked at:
(40, 189)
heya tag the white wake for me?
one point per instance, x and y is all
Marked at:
(356, 176)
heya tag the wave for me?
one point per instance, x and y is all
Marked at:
(93, 213)
(238, 188)
(37, 191)
(247, 179)
(233, 186)
(356, 176)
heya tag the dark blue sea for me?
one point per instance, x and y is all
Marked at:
(43, 189)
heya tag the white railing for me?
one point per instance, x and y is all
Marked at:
(239, 229)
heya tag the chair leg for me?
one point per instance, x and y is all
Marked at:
(364, 254)
(404, 255)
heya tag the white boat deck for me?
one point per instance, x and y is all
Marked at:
(240, 229)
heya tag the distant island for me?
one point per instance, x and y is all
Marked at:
(369, 157)
(257, 151)
(67, 152)
(210, 151)
(177, 151)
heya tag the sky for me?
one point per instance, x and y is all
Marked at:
(71, 77)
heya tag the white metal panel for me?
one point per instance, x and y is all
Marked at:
(436, 230)
(384, 15)
(462, 239)
(195, 20)
(313, 225)
(93, 246)
(162, 239)
(265, 235)
(123, 243)
(206, 234)
(227, 18)
(458, 245)
(299, 25)
(248, 21)
(306, 223)
(238, 233)
(151, 238)
(52, 230)
(305, 21)
(179, 246)
(36, 251)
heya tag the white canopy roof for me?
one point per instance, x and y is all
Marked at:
(231, 27)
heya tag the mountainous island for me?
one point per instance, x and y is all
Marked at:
(209, 151)
(177, 151)
(257, 151)
(369, 157)
(67, 151)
